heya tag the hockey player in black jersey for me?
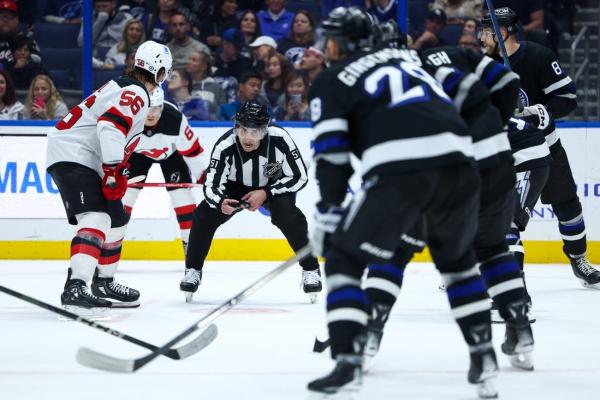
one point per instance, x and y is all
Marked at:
(484, 92)
(377, 105)
(252, 165)
(547, 93)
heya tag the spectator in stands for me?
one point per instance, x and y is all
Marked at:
(138, 8)
(181, 44)
(10, 107)
(203, 85)
(312, 63)
(62, 11)
(469, 40)
(109, 23)
(457, 11)
(250, 84)
(43, 100)
(196, 11)
(530, 12)
(434, 25)
(223, 18)
(133, 35)
(157, 24)
(263, 48)
(129, 58)
(228, 60)
(250, 27)
(295, 107)
(276, 21)
(470, 26)
(301, 37)
(24, 69)
(194, 108)
(273, 87)
(328, 5)
(9, 33)
(384, 10)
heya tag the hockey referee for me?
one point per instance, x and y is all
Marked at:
(252, 165)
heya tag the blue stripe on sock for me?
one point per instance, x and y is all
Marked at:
(389, 269)
(501, 269)
(492, 73)
(466, 289)
(347, 294)
(571, 228)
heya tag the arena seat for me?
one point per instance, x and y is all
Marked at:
(56, 35)
(59, 58)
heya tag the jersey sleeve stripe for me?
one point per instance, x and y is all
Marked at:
(557, 85)
(482, 65)
(334, 158)
(120, 121)
(330, 125)
(492, 73)
(505, 80)
(193, 151)
(463, 90)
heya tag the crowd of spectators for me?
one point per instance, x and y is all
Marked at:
(225, 52)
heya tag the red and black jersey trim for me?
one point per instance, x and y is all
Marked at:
(87, 241)
(193, 151)
(118, 119)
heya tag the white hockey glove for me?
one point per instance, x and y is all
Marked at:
(326, 219)
(538, 111)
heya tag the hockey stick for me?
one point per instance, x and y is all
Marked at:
(102, 361)
(163, 184)
(321, 345)
(503, 52)
(176, 353)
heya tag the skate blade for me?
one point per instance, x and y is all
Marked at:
(346, 392)
(93, 314)
(522, 361)
(486, 389)
(125, 304)
(368, 360)
(589, 285)
(189, 297)
(312, 297)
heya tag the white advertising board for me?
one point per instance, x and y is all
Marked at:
(28, 195)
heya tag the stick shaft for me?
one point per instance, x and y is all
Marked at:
(164, 184)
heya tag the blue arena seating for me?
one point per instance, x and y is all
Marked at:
(61, 78)
(56, 35)
(103, 76)
(57, 58)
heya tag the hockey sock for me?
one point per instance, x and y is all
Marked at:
(515, 245)
(87, 244)
(469, 301)
(573, 235)
(384, 282)
(111, 252)
(184, 206)
(130, 198)
(503, 279)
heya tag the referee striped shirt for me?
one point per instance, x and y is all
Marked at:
(276, 166)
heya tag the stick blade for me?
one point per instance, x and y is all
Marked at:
(93, 359)
(200, 342)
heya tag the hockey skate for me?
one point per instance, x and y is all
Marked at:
(78, 299)
(379, 316)
(121, 296)
(483, 372)
(345, 377)
(518, 339)
(190, 282)
(311, 283)
(585, 272)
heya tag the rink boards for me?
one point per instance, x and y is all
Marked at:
(34, 226)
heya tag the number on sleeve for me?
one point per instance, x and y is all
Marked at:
(556, 68)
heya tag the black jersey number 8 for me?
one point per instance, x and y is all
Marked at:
(400, 91)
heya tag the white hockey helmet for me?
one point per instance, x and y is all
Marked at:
(152, 57)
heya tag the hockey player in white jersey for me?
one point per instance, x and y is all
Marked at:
(87, 158)
(168, 140)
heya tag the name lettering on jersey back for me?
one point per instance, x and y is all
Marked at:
(439, 58)
(353, 71)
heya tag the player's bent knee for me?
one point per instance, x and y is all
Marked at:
(95, 220)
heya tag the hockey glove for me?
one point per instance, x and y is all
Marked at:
(536, 114)
(114, 182)
(327, 219)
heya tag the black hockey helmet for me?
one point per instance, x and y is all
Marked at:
(350, 26)
(253, 115)
(506, 17)
(387, 34)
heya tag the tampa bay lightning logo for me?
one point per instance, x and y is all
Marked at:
(523, 97)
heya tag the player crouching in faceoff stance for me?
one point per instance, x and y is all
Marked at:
(87, 158)
(168, 140)
(252, 165)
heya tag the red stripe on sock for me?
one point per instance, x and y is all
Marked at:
(185, 209)
(128, 209)
(109, 260)
(94, 232)
(87, 249)
(185, 225)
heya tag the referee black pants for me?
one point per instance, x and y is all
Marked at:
(285, 215)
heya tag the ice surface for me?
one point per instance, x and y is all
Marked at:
(263, 350)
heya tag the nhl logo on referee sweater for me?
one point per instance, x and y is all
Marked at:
(273, 170)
